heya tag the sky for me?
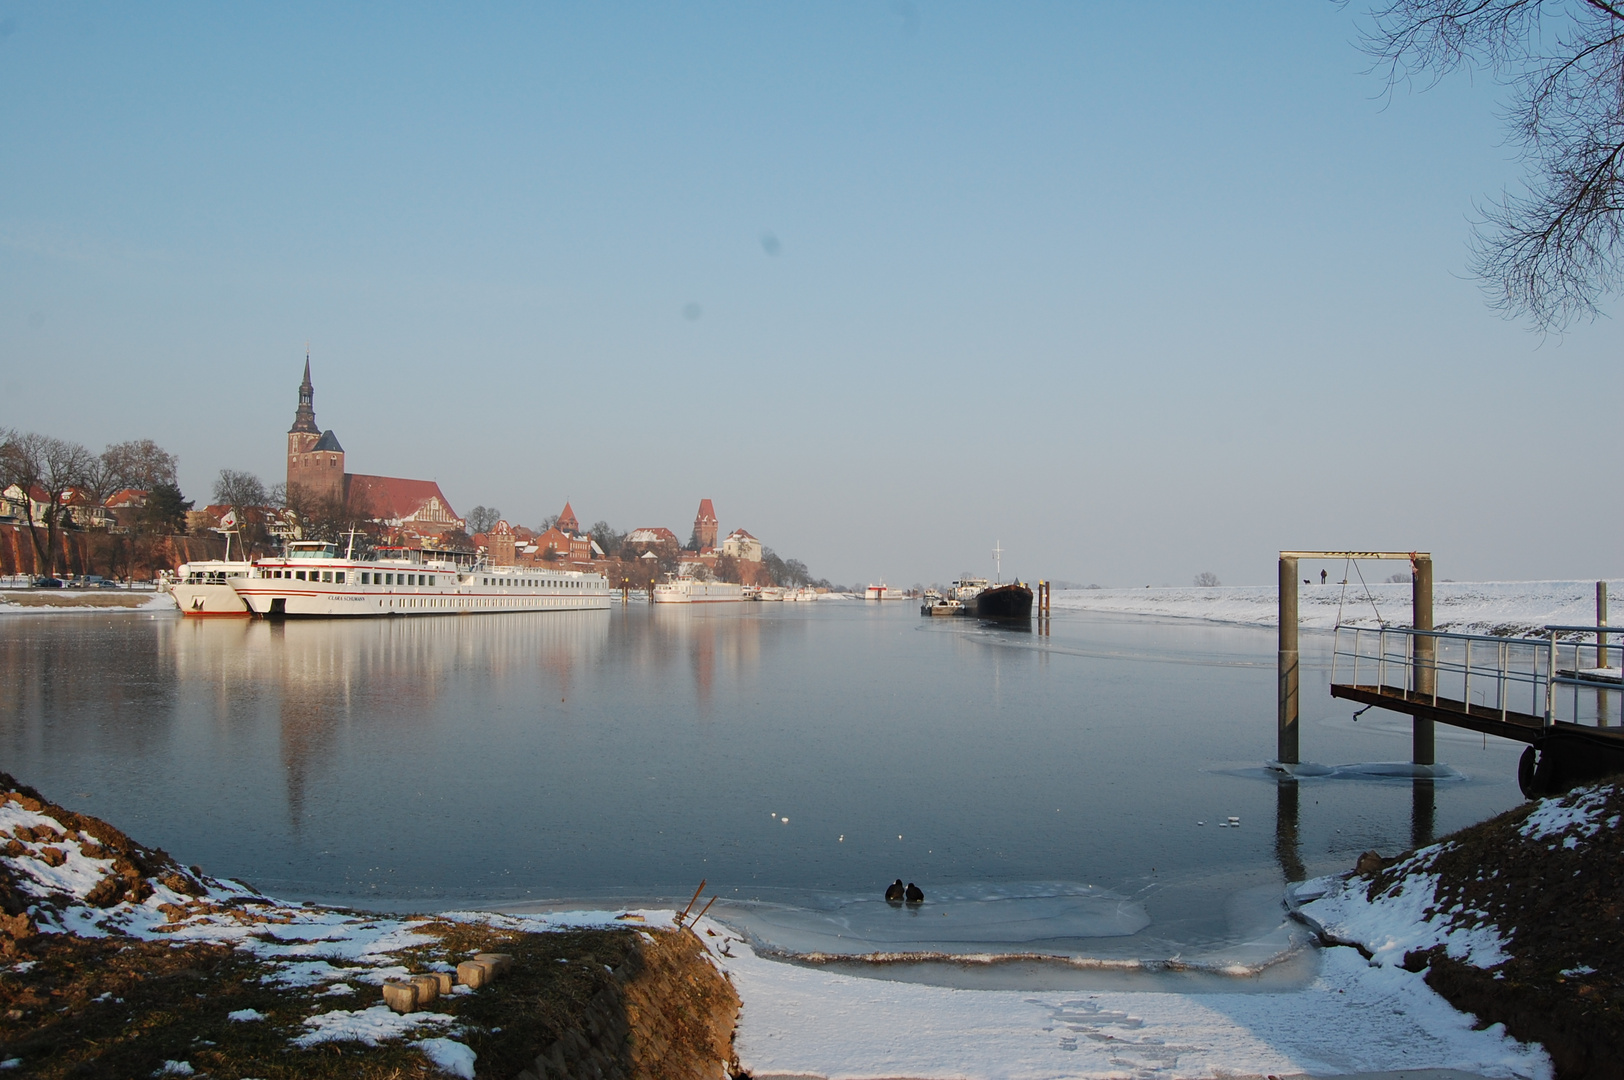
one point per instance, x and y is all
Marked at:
(1131, 291)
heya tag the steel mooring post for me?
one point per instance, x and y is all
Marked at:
(1422, 750)
(1286, 749)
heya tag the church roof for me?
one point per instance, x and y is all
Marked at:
(707, 512)
(328, 441)
(390, 498)
(566, 520)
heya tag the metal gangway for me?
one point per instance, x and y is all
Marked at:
(1519, 688)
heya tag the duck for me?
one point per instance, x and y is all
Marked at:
(894, 892)
(914, 894)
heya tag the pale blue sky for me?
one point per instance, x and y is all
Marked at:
(1138, 290)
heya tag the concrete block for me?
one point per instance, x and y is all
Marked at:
(473, 974)
(444, 980)
(400, 995)
(502, 960)
(428, 988)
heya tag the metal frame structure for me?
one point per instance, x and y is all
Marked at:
(1287, 735)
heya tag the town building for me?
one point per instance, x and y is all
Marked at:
(742, 546)
(316, 479)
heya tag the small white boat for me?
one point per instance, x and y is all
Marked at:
(772, 592)
(693, 591)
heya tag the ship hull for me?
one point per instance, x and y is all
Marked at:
(203, 601)
(1005, 603)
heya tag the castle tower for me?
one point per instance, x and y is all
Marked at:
(567, 522)
(315, 459)
(705, 525)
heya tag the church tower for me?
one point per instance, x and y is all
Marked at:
(315, 460)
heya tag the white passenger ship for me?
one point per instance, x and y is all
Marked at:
(693, 591)
(311, 578)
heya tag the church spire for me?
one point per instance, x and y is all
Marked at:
(304, 419)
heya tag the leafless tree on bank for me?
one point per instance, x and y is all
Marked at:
(1552, 252)
(1206, 580)
(44, 468)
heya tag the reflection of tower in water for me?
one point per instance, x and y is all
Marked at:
(384, 678)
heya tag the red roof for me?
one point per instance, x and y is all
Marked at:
(707, 512)
(128, 497)
(652, 535)
(389, 498)
(566, 520)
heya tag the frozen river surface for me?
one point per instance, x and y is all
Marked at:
(1067, 793)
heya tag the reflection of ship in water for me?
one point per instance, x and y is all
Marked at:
(323, 679)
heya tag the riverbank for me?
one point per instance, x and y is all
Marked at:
(120, 961)
(1505, 608)
(58, 601)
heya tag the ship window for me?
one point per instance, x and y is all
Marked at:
(300, 574)
(327, 575)
(338, 578)
(366, 578)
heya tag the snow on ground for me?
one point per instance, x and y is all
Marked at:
(1354, 1017)
(1553, 817)
(1507, 608)
(69, 601)
(1403, 919)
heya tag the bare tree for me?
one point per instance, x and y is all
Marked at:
(44, 468)
(1207, 580)
(239, 489)
(1549, 253)
(140, 463)
(483, 519)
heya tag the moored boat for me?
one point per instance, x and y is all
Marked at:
(684, 590)
(1007, 603)
(204, 587)
(311, 578)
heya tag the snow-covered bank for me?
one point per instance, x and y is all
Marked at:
(82, 601)
(76, 875)
(1508, 608)
(1353, 1018)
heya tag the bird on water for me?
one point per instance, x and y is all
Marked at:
(914, 895)
(894, 892)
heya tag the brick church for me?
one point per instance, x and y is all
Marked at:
(316, 476)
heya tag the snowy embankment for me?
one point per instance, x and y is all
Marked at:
(1355, 1016)
(1507, 608)
(64, 601)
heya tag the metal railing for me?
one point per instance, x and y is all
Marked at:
(1494, 675)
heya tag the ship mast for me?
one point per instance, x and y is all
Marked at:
(998, 562)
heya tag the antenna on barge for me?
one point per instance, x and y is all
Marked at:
(998, 561)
